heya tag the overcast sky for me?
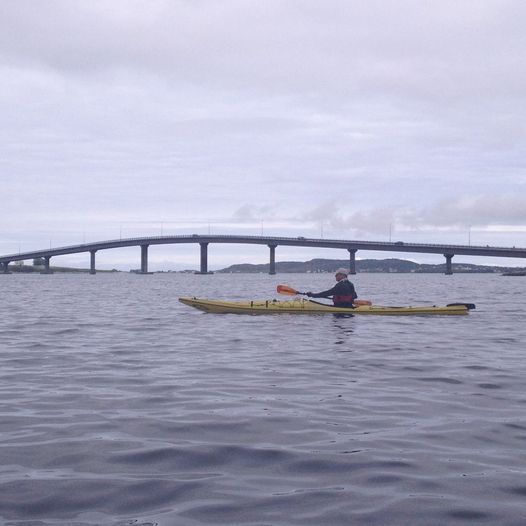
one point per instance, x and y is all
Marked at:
(347, 119)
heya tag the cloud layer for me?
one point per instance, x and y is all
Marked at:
(345, 118)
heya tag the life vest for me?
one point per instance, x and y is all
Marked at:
(349, 298)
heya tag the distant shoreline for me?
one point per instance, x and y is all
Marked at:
(37, 269)
(380, 266)
(314, 266)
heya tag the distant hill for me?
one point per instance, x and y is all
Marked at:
(362, 265)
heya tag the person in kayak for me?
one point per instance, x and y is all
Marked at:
(343, 293)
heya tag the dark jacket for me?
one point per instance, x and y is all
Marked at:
(343, 294)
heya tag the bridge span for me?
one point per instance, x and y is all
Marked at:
(351, 246)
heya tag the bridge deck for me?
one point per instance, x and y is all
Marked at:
(352, 245)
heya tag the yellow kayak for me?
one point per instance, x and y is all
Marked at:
(304, 306)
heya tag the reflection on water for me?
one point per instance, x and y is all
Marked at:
(120, 406)
(342, 329)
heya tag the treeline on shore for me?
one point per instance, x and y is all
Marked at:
(362, 265)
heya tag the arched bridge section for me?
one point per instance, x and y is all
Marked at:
(351, 246)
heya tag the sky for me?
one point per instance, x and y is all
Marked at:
(343, 119)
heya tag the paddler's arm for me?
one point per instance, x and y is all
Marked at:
(324, 294)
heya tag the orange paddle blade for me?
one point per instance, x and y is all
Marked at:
(284, 289)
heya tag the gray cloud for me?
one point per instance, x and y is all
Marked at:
(404, 48)
(476, 211)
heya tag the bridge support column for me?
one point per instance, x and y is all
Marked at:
(352, 260)
(47, 268)
(203, 267)
(92, 262)
(144, 259)
(449, 267)
(5, 268)
(272, 266)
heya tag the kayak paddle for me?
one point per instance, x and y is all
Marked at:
(289, 291)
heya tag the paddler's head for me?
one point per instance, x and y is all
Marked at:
(341, 273)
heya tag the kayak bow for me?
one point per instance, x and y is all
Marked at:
(303, 306)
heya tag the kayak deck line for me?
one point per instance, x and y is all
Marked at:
(304, 306)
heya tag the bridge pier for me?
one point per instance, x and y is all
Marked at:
(144, 260)
(5, 268)
(92, 262)
(203, 267)
(272, 266)
(449, 267)
(352, 260)
(47, 269)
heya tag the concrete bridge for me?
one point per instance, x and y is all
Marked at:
(351, 246)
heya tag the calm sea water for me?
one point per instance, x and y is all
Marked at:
(120, 406)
